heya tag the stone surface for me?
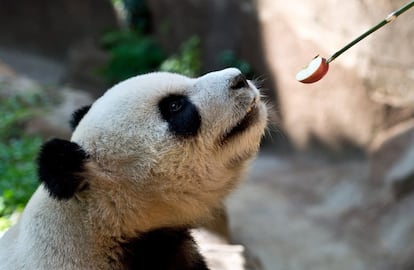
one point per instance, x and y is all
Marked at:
(12, 84)
(344, 106)
(6, 70)
(85, 60)
(50, 121)
(52, 27)
(55, 121)
(368, 88)
(219, 254)
(39, 68)
(306, 212)
(392, 159)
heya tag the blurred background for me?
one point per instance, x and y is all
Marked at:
(333, 187)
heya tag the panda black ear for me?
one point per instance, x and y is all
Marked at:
(77, 116)
(60, 163)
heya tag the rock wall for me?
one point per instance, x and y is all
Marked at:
(368, 89)
(52, 26)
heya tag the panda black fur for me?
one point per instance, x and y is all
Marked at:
(150, 159)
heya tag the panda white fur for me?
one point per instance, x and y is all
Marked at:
(153, 157)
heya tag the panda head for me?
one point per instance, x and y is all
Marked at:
(163, 148)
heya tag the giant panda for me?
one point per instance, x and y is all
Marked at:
(153, 157)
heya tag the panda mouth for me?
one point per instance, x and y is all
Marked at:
(252, 113)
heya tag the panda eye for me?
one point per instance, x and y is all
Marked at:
(172, 105)
(175, 106)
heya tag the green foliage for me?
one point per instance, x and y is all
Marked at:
(187, 61)
(134, 51)
(14, 110)
(131, 54)
(17, 155)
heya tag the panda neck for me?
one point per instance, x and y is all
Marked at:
(114, 220)
(118, 209)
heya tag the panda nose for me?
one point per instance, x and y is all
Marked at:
(239, 82)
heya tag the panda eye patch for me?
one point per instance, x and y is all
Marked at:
(181, 114)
